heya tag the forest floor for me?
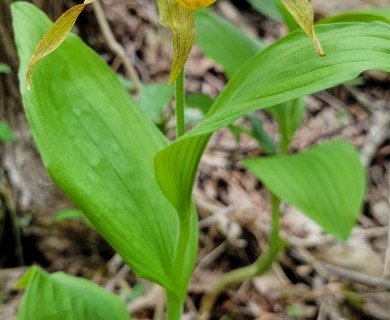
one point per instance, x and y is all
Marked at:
(316, 277)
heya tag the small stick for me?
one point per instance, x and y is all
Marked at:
(324, 268)
(114, 46)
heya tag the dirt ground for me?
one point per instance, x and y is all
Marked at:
(316, 277)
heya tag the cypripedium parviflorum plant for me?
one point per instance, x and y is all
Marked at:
(135, 187)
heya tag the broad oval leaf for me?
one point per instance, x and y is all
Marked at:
(327, 183)
(284, 71)
(59, 296)
(99, 148)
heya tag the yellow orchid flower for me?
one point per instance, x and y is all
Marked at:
(195, 4)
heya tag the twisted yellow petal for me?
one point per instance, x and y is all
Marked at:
(303, 14)
(55, 36)
(180, 21)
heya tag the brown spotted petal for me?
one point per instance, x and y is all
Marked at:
(180, 21)
(303, 14)
(55, 36)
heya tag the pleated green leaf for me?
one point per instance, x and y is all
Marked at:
(327, 183)
(59, 296)
(98, 147)
(223, 42)
(287, 70)
(231, 47)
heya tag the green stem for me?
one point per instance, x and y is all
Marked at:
(174, 306)
(176, 299)
(180, 104)
(261, 265)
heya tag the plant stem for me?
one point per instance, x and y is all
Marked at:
(261, 265)
(180, 104)
(176, 299)
(114, 46)
(174, 306)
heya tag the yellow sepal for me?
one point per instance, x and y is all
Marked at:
(195, 4)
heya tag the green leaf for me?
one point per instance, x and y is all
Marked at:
(287, 70)
(126, 83)
(275, 10)
(369, 15)
(289, 116)
(327, 183)
(4, 68)
(98, 147)
(265, 141)
(154, 98)
(69, 214)
(5, 132)
(63, 297)
(268, 8)
(223, 42)
(199, 100)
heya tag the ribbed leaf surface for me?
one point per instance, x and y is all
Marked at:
(99, 148)
(288, 69)
(59, 296)
(327, 183)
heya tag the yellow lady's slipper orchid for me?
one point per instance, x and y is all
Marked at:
(195, 4)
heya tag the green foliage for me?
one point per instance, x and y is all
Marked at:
(109, 158)
(154, 98)
(4, 68)
(258, 132)
(69, 214)
(289, 116)
(6, 134)
(284, 71)
(200, 101)
(368, 15)
(326, 182)
(99, 147)
(214, 33)
(268, 8)
(59, 296)
(275, 10)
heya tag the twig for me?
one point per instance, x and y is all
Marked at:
(212, 255)
(324, 269)
(114, 46)
(380, 123)
(379, 130)
(326, 304)
(122, 273)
